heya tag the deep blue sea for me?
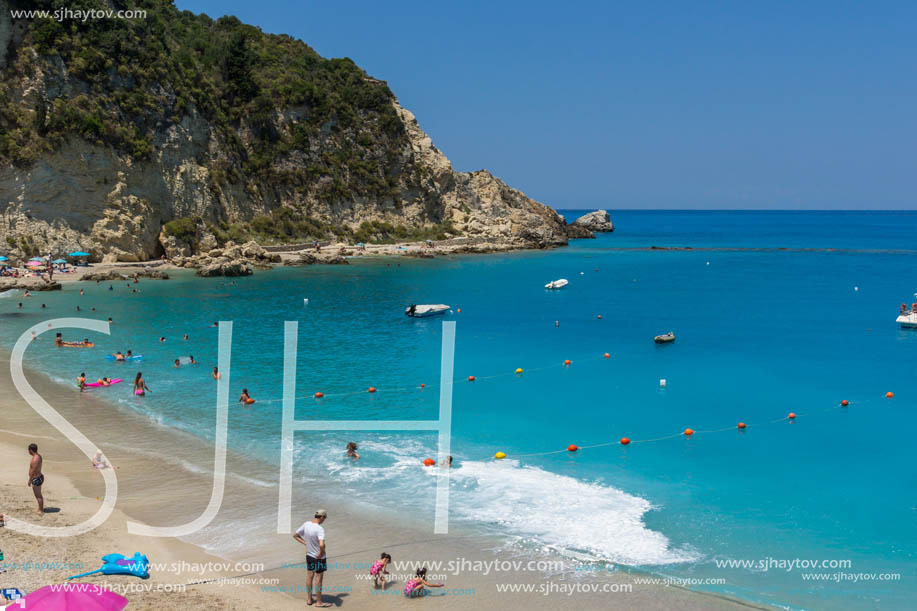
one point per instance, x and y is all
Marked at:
(760, 333)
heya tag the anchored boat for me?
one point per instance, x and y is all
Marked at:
(556, 284)
(908, 318)
(422, 311)
(665, 338)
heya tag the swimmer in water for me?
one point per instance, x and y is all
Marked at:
(59, 340)
(130, 354)
(82, 293)
(352, 451)
(447, 463)
(185, 337)
(118, 356)
(162, 340)
(191, 358)
(216, 374)
(81, 381)
(214, 325)
(140, 387)
(245, 398)
(77, 308)
(177, 364)
(93, 308)
(105, 381)
(110, 321)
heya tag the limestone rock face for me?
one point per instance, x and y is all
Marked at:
(30, 284)
(597, 221)
(232, 268)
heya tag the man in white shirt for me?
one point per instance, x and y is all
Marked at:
(312, 535)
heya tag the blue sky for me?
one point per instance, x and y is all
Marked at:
(644, 104)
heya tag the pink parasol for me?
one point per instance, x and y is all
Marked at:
(74, 597)
(35, 264)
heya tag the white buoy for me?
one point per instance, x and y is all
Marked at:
(856, 288)
(305, 302)
(582, 273)
(708, 262)
(662, 383)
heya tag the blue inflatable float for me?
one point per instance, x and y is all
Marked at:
(116, 564)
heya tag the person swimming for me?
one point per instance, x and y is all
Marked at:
(214, 325)
(177, 363)
(162, 340)
(140, 387)
(191, 358)
(185, 337)
(245, 397)
(352, 451)
(216, 374)
(118, 356)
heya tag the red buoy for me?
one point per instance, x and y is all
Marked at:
(471, 378)
(607, 355)
(319, 395)
(372, 389)
(429, 462)
(625, 441)
(567, 362)
(741, 425)
(791, 415)
(689, 432)
(600, 317)
(889, 395)
(845, 402)
(572, 447)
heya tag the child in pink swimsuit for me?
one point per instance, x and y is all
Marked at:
(378, 571)
(415, 587)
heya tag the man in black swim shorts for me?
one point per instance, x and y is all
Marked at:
(36, 478)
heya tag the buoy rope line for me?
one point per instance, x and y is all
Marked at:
(686, 433)
(373, 390)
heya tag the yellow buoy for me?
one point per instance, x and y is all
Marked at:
(519, 370)
(499, 455)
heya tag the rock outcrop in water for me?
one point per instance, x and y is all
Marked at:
(597, 222)
(177, 134)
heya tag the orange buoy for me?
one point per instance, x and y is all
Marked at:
(689, 432)
(600, 317)
(471, 378)
(249, 401)
(741, 425)
(567, 362)
(791, 415)
(423, 385)
(607, 356)
(625, 441)
(319, 395)
(429, 462)
(845, 402)
(572, 447)
(372, 389)
(889, 395)
(460, 310)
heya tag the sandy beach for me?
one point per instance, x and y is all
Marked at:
(157, 487)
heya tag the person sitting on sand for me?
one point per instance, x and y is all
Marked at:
(416, 586)
(216, 374)
(140, 387)
(352, 451)
(245, 398)
(177, 364)
(81, 381)
(36, 477)
(100, 462)
(378, 571)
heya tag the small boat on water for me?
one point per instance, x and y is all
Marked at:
(908, 318)
(556, 284)
(665, 338)
(422, 311)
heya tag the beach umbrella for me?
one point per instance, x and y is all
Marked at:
(2, 264)
(82, 597)
(4, 258)
(34, 263)
(60, 261)
(36, 259)
(78, 253)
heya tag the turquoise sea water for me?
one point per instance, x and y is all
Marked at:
(760, 333)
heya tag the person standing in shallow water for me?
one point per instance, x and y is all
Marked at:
(140, 387)
(36, 477)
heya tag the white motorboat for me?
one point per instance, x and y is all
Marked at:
(422, 311)
(908, 318)
(557, 284)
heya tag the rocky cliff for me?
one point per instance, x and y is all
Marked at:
(117, 134)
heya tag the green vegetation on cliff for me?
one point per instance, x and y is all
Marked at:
(119, 82)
